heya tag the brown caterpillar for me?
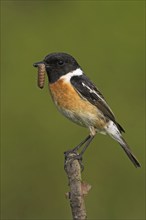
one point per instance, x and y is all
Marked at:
(41, 75)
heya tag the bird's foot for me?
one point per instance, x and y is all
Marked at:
(73, 155)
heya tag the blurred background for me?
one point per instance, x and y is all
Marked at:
(107, 39)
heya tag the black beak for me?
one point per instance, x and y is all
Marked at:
(37, 63)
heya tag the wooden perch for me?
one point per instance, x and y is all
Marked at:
(77, 188)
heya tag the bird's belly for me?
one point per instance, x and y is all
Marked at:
(75, 108)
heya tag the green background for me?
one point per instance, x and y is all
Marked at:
(107, 39)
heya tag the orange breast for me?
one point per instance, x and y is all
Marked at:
(65, 97)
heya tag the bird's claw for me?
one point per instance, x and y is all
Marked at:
(73, 155)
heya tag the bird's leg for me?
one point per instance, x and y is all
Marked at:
(78, 157)
(74, 150)
(86, 145)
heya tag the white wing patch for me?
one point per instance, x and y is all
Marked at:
(93, 91)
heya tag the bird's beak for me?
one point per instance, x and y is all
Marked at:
(38, 63)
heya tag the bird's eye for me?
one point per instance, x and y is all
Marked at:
(60, 62)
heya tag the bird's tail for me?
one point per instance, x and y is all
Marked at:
(115, 133)
(129, 153)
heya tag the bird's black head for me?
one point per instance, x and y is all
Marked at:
(59, 64)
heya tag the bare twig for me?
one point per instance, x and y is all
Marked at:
(77, 188)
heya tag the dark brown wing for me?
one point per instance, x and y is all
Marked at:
(87, 90)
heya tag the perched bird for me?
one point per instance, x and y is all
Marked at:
(77, 98)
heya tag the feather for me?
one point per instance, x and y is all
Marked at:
(87, 90)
